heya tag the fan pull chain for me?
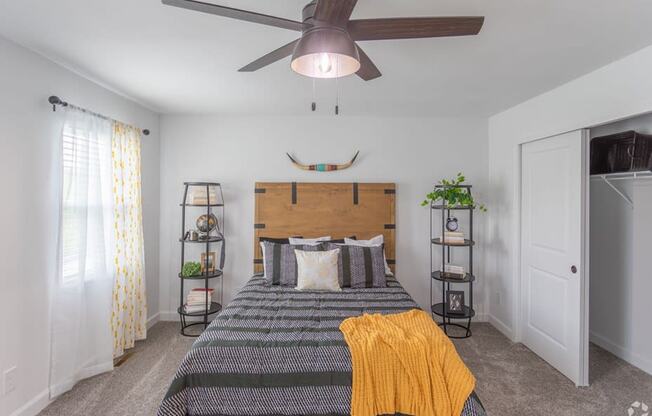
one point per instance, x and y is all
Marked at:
(314, 100)
(337, 98)
(337, 87)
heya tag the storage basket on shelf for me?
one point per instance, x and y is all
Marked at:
(621, 152)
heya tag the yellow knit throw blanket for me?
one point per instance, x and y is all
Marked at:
(405, 364)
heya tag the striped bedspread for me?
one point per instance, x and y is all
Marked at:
(277, 351)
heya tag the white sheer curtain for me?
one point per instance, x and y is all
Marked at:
(82, 342)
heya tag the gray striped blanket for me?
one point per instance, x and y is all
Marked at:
(277, 351)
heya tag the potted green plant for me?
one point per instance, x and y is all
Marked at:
(451, 192)
(191, 268)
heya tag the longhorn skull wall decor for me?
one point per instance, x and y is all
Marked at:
(324, 167)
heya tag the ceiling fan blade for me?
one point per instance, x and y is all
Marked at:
(368, 70)
(414, 27)
(336, 12)
(245, 15)
(270, 58)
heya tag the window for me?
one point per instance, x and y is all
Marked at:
(86, 200)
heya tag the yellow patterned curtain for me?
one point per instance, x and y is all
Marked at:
(129, 317)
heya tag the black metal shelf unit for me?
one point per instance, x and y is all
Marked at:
(437, 270)
(211, 270)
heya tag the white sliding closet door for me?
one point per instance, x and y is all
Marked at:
(553, 218)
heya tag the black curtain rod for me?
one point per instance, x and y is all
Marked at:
(55, 101)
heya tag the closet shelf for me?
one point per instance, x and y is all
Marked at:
(623, 175)
(608, 177)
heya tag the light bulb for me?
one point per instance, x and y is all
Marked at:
(324, 64)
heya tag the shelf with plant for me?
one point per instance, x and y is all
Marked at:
(452, 194)
(192, 270)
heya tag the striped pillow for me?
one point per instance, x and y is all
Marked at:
(360, 267)
(281, 262)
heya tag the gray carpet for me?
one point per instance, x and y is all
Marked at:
(134, 388)
(511, 380)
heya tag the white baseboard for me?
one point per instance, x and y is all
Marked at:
(501, 326)
(35, 405)
(153, 320)
(481, 317)
(168, 316)
(619, 351)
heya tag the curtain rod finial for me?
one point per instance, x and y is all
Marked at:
(54, 100)
(146, 132)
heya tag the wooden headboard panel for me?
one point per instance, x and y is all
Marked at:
(286, 209)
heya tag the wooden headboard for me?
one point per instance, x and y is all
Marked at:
(286, 209)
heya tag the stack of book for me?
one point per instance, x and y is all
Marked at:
(451, 237)
(198, 196)
(196, 300)
(454, 272)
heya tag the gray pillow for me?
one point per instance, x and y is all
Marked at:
(360, 267)
(281, 262)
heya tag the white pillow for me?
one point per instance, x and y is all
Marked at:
(317, 270)
(262, 247)
(376, 241)
(308, 241)
(295, 241)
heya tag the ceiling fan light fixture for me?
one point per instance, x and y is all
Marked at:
(326, 52)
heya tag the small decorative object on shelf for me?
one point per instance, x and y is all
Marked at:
(201, 302)
(447, 196)
(455, 302)
(198, 299)
(451, 224)
(191, 268)
(206, 224)
(454, 194)
(208, 266)
(453, 271)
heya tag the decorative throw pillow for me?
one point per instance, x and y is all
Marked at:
(360, 267)
(272, 240)
(341, 240)
(317, 270)
(378, 240)
(281, 263)
(278, 240)
(309, 241)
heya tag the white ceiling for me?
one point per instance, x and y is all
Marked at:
(177, 61)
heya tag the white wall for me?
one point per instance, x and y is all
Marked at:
(616, 91)
(29, 132)
(621, 266)
(237, 151)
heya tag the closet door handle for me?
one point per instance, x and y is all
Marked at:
(573, 269)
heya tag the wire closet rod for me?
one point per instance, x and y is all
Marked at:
(620, 176)
(608, 177)
(55, 101)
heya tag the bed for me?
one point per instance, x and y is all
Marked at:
(275, 350)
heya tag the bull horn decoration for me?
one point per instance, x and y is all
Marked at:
(324, 167)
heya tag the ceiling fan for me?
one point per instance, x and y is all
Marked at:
(327, 48)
